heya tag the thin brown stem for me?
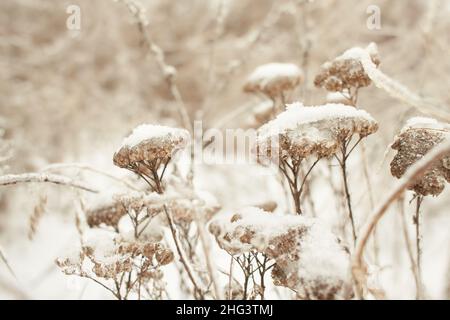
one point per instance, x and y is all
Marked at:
(417, 217)
(409, 247)
(343, 165)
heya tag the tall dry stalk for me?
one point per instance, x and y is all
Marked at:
(416, 171)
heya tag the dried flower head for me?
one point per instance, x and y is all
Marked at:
(306, 131)
(149, 148)
(308, 257)
(415, 140)
(346, 71)
(274, 79)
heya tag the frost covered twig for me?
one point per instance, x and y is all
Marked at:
(412, 174)
(11, 179)
(168, 71)
(84, 166)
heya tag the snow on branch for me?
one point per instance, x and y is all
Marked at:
(11, 179)
(396, 89)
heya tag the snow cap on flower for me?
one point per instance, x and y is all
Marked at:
(317, 130)
(149, 143)
(346, 71)
(273, 79)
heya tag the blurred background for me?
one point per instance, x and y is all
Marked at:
(72, 95)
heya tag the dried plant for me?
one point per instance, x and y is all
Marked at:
(170, 227)
(312, 132)
(416, 139)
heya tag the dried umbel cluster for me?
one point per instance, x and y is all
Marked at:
(346, 73)
(110, 210)
(415, 140)
(150, 148)
(108, 214)
(185, 211)
(312, 131)
(274, 79)
(308, 258)
(120, 266)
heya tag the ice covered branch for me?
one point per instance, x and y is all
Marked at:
(83, 166)
(399, 91)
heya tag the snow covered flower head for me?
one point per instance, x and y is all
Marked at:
(149, 143)
(308, 258)
(148, 148)
(346, 71)
(417, 138)
(273, 79)
(306, 131)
